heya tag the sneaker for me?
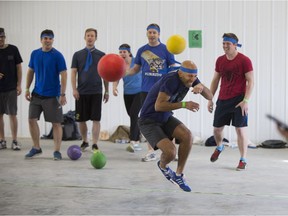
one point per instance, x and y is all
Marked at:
(84, 145)
(180, 181)
(133, 146)
(176, 158)
(130, 148)
(149, 157)
(94, 147)
(168, 173)
(137, 147)
(3, 144)
(241, 166)
(57, 155)
(33, 152)
(15, 146)
(215, 155)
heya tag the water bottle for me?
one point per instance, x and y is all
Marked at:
(118, 140)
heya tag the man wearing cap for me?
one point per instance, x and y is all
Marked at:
(48, 94)
(10, 88)
(158, 125)
(235, 71)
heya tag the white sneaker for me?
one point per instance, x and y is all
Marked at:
(137, 147)
(149, 157)
(15, 146)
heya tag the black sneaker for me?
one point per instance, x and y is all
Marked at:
(15, 146)
(84, 145)
(3, 144)
(57, 155)
(94, 147)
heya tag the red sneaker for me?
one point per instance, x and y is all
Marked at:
(241, 166)
(215, 155)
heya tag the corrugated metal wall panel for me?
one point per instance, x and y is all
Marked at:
(260, 25)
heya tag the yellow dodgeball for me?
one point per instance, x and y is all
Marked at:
(176, 44)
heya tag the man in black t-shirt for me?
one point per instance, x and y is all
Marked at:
(10, 88)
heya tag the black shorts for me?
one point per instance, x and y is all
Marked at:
(88, 107)
(226, 112)
(154, 131)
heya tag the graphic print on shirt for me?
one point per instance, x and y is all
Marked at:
(230, 76)
(155, 62)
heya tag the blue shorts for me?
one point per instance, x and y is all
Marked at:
(154, 131)
(226, 113)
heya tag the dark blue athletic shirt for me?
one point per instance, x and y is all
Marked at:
(170, 84)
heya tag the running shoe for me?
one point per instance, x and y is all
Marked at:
(33, 152)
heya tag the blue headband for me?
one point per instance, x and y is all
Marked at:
(153, 27)
(47, 35)
(232, 40)
(187, 70)
(124, 48)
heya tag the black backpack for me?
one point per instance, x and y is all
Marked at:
(70, 128)
(273, 144)
(211, 141)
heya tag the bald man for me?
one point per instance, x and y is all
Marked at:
(158, 125)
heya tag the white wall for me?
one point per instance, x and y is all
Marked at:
(261, 26)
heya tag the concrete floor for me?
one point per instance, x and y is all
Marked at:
(127, 186)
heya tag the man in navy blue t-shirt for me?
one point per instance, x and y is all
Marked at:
(158, 125)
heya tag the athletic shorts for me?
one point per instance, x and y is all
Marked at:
(154, 131)
(226, 113)
(8, 102)
(88, 107)
(49, 106)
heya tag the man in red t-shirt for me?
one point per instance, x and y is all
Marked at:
(235, 71)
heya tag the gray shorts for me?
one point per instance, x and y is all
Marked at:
(8, 102)
(154, 131)
(49, 106)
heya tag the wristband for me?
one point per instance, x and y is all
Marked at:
(245, 100)
(63, 94)
(106, 93)
(27, 90)
(183, 104)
